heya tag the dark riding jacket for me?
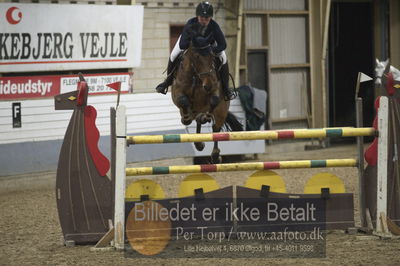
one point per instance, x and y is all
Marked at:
(212, 27)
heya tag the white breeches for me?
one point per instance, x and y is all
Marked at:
(176, 51)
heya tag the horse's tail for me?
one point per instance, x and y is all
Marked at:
(232, 123)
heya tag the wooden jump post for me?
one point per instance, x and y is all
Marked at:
(122, 141)
(382, 171)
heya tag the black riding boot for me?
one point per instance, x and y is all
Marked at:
(229, 94)
(163, 87)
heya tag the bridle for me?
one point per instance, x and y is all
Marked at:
(206, 73)
(200, 74)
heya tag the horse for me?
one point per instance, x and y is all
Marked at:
(197, 92)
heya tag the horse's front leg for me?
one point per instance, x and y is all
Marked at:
(214, 101)
(184, 107)
(208, 116)
(199, 145)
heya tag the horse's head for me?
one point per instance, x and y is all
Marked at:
(379, 70)
(202, 61)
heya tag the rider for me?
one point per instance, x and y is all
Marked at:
(204, 14)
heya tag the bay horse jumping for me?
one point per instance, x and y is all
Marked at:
(197, 92)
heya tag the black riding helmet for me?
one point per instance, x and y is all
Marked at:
(204, 9)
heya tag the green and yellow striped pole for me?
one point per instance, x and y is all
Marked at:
(186, 169)
(253, 135)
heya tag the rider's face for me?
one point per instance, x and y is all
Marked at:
(204, 20)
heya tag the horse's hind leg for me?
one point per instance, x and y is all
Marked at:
(215, 152)
(199, 145)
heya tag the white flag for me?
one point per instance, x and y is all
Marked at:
(364, 77)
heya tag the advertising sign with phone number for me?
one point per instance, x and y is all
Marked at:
(27, 87)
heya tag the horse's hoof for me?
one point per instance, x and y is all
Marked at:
(199, 146)
(186, 121)
(200, 119)
(209, 117)
(204, 118)
(215, 159)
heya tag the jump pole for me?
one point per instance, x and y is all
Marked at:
(253, 135)
(229, 167)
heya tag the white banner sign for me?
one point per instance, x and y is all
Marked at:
(50, 37)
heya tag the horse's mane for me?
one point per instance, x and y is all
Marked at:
(201, 45)
(198, 42)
